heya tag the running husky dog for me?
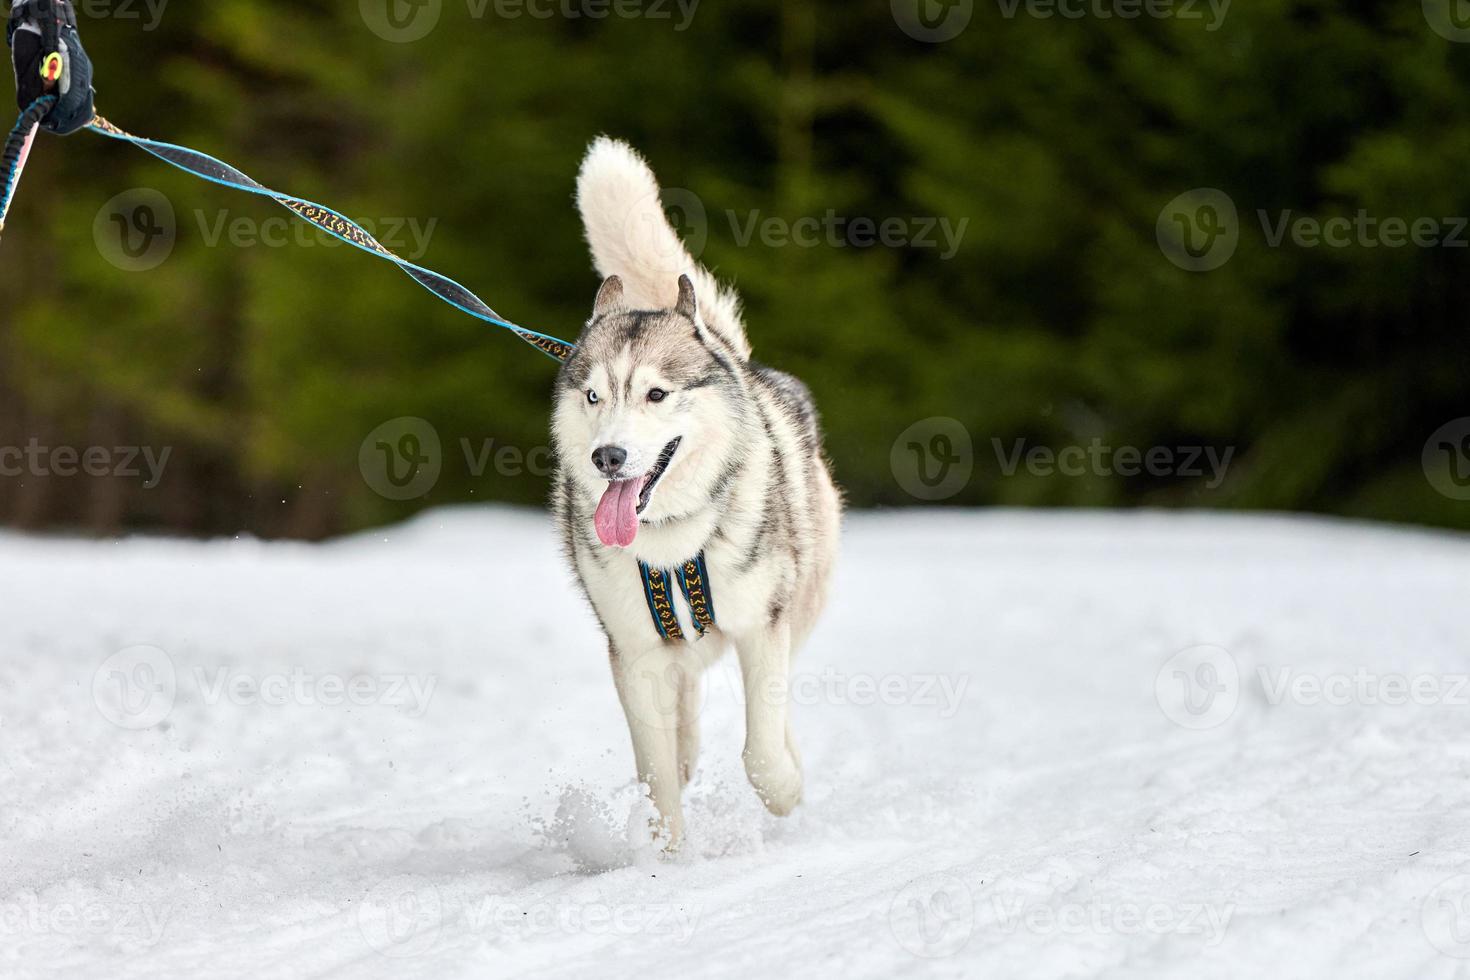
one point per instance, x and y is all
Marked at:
(685, 470)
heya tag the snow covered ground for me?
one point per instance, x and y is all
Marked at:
(1037, 745)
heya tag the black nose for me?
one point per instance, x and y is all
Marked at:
(608, 459)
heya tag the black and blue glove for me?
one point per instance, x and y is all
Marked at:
(49, 60)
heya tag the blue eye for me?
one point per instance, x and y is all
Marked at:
(591, 397)
(657, 395)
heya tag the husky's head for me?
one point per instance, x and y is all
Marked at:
(644, 413)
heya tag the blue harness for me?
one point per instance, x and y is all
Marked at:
(693, 579)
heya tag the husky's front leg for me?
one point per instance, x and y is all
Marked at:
(765, 663)
(649, 685)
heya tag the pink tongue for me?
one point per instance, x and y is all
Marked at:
(617, 513)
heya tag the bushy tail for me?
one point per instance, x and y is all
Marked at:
(631, 238)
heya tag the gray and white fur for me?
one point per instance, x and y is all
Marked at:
(662, 408)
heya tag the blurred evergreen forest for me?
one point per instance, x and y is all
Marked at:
(1059, 319)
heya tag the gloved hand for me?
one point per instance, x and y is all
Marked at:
(48, 58)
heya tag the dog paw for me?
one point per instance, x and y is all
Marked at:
(666, 835)
(777, 782)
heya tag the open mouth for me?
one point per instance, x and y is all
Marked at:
(657, 473)
(616, 519)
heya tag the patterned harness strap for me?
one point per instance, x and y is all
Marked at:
(207, 167)
(693, 579)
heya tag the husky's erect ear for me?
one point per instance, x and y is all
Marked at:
(609, 297)
(687, 305)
